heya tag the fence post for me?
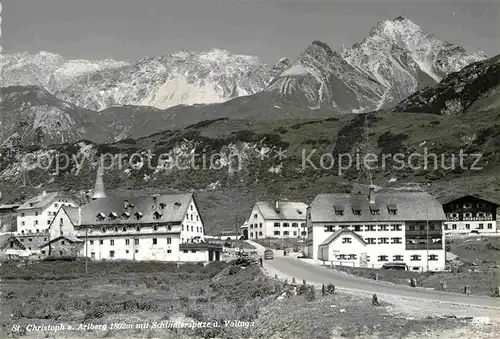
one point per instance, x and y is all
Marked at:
(293, 280)
(323, 292)
(466, 289)
(497, 292)
(304, 282)
(375, 300)
(275, 275)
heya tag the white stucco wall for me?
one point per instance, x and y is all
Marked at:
(489, 226)
(33, 220)
(259, 227)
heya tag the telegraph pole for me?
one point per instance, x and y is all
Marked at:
(427, 241)
(236, 226)
(86, 250)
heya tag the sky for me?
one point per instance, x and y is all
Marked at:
(132, 29)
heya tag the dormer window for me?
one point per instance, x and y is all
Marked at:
(162, 205)
(393, 210)
(101, 216)
(356, 210)
(467, 205)
(113, 215)
(125, 215)
(299, 211)
(339, 210)
(138, 215)
(374, 209)
(177, 204)
(157, 214)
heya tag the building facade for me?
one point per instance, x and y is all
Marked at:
(36, 214)
(393, 226)
(470, 214)
(281, 219)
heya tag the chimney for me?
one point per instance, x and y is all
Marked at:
(277, 205)
(99, 192)
(371, 196)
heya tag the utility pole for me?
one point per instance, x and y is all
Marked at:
(427, 241)
(236, 226)
(86, 250)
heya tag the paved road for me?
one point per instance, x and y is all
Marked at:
(316, 274)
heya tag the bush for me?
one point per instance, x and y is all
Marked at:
(310, 293)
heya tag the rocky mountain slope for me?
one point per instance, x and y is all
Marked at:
(474, 89)
(48, 70)
(183, 78)
(402, 57)
(31, 115)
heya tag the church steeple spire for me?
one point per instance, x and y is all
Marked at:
(99, 192)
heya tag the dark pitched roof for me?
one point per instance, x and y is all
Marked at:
(448, 199)
(174, 209)
(6, 238)
(409, 205)
(340, 232)
(286, 210)
(70, 238)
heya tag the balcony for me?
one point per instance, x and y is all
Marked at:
(438, 246)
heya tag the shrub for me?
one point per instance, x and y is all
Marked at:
(310, 293)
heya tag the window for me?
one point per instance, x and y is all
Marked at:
(30, 239)
(353, 256)
(285, 224)
(397, 258)
(370, 241)
(255, 216)
(192, 228)
(169, 241)
(454, 226)
(155, 241)
(138, 229)
(356, 212)
(22, 214)
(346, 240)
(185, 251)
(155, 228)
(445, 226)
(43, 252)
(303, 224)
(285, 233)
(56, 205)
(136, 241)
(37, 230)
(383, 240)
(396, 240)
(60, 252)
(433, 257)
(103, 230)
(127, 241)
(294, 233)
(481, 226)
(467, 205)
(22, 223)
(294, 224)
(339, 212)
(369, 228)
(111, 254)
(62, 242)
(329, 228)
(191, 207)
(101, 242)
(112, 242)
(193, 251)
(260, 225)
(358, 228)
(383, 227)
(136, 251)
(415, 257)
(303, 233)
(277, 232)
(124, 229)
(383, 258)
(182, 227)
(490, 226)
(467, 226)
(260, 233)
(36, 214)
(36, 222)
(48, 222)
(169, 251)
(126, 251)
(91, 242)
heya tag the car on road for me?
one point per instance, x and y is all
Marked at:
(268, 254)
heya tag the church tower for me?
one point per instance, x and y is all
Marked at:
(99, 192)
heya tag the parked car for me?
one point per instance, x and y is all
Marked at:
(268, 254)
(399, 266)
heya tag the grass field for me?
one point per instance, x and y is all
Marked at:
(133, 296)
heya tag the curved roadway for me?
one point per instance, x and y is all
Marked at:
(316, 274)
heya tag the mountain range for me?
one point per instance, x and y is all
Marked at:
(420, 92)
